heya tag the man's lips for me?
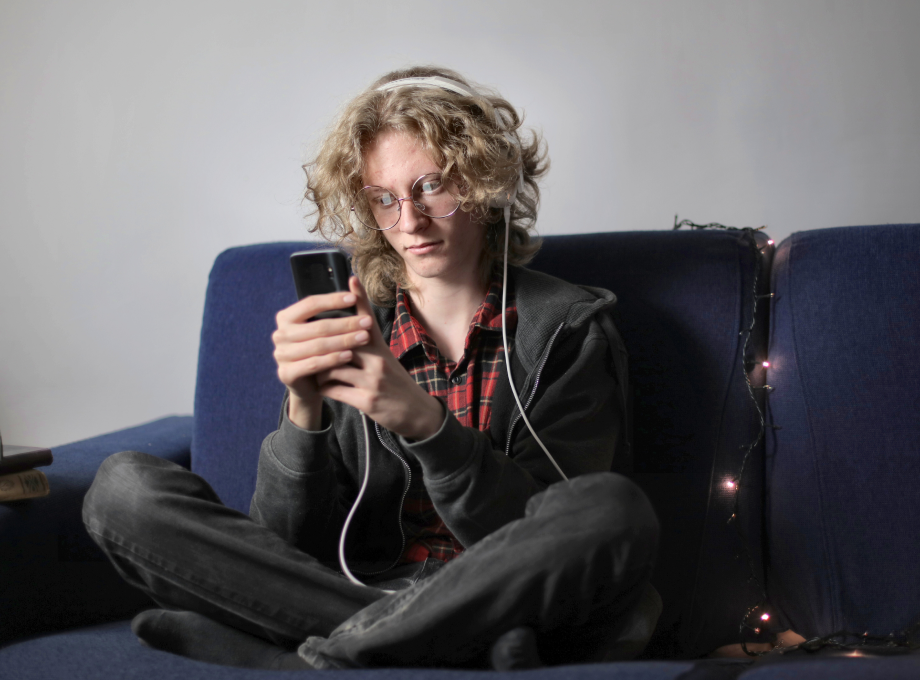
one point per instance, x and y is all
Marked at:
(422, 247)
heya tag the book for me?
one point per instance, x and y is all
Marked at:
(19, 458)
(20, 485)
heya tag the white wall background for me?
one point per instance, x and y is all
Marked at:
(139, 139)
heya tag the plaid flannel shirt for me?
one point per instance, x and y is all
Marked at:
(467, 386)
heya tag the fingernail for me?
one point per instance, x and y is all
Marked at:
(349, 299)
(362, 336)
(345, 356)
(365, 322)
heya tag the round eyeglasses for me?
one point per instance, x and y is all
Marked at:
(378, 208)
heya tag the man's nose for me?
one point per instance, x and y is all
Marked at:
(411, 218)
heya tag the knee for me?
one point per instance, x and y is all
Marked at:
(122, 484)
(626, 522)
(618, 498)
(104, 491)
(606, 508)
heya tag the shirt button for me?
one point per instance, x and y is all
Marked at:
(457, 379)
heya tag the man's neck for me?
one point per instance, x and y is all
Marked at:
(445, 310)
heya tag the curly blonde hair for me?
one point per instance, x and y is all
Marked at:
(462, 137)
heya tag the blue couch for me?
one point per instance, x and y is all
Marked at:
(786, 491)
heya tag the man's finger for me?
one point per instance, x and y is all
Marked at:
(363, 306)
(312, 305)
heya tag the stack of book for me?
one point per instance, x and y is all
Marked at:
(18, 477)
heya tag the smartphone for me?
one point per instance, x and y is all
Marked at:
(321, 271)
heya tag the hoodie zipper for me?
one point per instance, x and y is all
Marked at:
(402, 502)
(533, 391)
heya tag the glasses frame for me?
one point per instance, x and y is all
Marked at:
(400, 200)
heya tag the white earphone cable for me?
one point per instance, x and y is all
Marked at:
(367, 469)
(517, 399)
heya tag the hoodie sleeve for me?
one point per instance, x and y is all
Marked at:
(301, 491)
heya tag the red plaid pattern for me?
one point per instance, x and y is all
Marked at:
(467, 386)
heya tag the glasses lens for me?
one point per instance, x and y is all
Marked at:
(434, 197)
(376, 208)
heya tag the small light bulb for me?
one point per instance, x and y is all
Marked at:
(765, 617)
(757, 630)
(730, 484)
(770, 242)
(766, 364)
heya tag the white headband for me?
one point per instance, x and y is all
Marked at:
(429, 81)
(441, 83)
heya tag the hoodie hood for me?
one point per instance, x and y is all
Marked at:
(544, 303)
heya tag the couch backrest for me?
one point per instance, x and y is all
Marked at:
(684, 298)
(843, 473)
(238, 394)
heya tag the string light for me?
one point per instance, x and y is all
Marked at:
(730, 484)
(766, 364)
(765, 616)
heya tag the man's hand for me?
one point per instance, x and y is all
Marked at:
(373, 381)
(304, 348)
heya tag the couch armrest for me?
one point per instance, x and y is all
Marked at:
(52, 576)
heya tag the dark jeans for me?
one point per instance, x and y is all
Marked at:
(572, 569)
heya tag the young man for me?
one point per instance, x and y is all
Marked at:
(473, 547)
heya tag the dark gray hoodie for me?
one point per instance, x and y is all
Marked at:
(569, 366)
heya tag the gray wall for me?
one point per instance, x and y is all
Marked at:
(139, 139)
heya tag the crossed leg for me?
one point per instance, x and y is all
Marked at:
(571, 569)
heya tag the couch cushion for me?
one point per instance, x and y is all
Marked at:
(112, 652)
(825, 668)
(843, 472)
(52, 576)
